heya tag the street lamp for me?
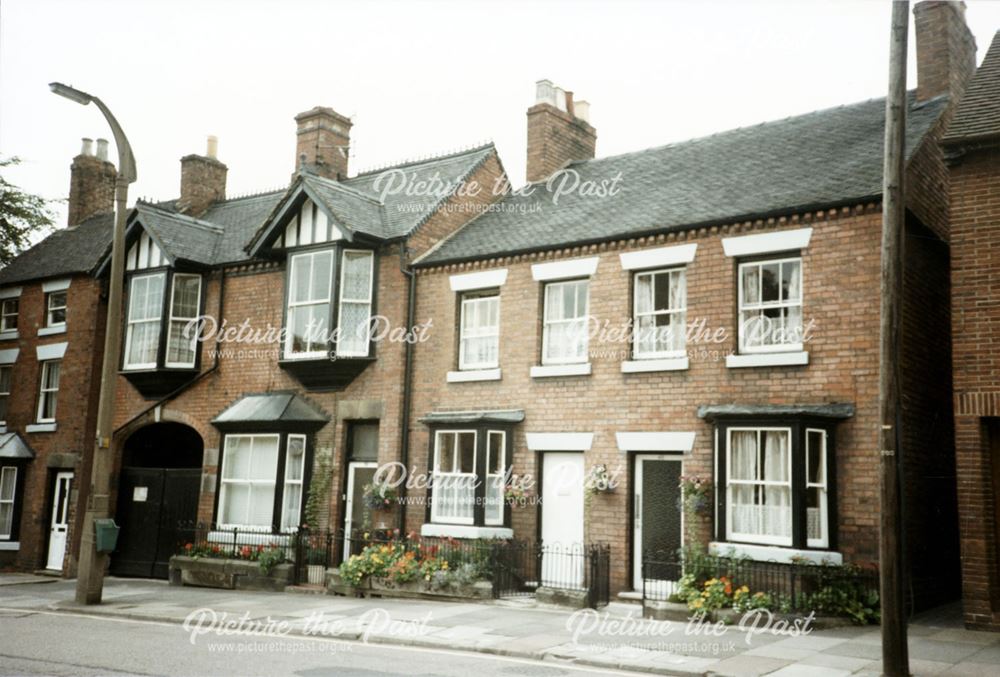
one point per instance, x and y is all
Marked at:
(90, 578)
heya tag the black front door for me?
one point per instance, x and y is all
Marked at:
(152, 505)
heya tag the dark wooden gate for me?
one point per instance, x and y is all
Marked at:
(152, 503)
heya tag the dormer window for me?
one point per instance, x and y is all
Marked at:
(309, 293)
(144, 348)
(145, 308)
(355, 303)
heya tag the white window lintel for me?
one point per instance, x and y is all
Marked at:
(559, 441)
(50, 351)
(661, 257)
(10, 292)
(564, 270)
(485, 279)
(56, 285)
(765, 243)
(9, 356)
(656, 441)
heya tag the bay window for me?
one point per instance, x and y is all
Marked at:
(145, 309)
(565, 331)
(479, 331)
(309, 287)
(776, 479)
(182, 336)
(660, 316)
(770, 305)
(8, 490)
(469, 469)
(262, 480)
(354, 323)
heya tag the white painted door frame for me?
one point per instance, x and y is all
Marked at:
(59, 523)
(349, 501)
(640, 460)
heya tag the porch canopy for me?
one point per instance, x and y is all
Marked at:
(13, 447)
(273, 412)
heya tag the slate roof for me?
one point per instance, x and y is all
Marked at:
(820, 159)
(180, 236)
(977, 117)
(271, 408)
(67, 251)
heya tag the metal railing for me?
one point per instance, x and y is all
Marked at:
(513, 567)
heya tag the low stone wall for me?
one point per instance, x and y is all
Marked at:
(227, 574)
(418, 589)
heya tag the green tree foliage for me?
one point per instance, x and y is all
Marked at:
(22, 216)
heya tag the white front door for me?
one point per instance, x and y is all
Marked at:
(562, 519)
(358, 475)
(657, 523)
(60, 521)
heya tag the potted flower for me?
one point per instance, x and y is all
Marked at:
(380, 498)
(514, 495)
(599, 480)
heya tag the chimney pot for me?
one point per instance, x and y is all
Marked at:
(102, 150)
(87, 147)
(581, 109)
(212, 147)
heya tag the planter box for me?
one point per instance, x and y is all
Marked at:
(658, 610)
(418, 589)
(227, 574)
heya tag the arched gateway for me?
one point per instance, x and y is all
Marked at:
(158, 489)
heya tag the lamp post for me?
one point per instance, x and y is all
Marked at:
(90, 579)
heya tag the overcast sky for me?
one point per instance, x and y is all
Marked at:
(417, 78)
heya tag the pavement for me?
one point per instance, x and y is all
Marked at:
(612, 638)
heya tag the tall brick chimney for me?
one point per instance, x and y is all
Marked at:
(203, 180)
(323, 142)
(946, 49)
(91, 183)
(559, 131)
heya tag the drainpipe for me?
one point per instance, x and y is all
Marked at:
(215, 364)
(404, 437)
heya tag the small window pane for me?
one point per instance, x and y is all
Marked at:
(445, 452)
(264, 460)
(814, 451)
(496, 451)
(301, 278)
(234, 508)
(770, 287)
(322, 263)
(467, 452)
(791, 280)
(295, 462)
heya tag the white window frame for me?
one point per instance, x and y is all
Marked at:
(471, 302)
(4, 313)
(44, 393)
(435, 517)
(292, 305)
(682, 311)
(130, 323)
(293, 482)
(491, 477)
(824, 541)
(546, 323)
(370, 255)
(761, 305)
(6, 536)
(5, 395)
(757, 538)
(171, 318)
(49, 324)
(224, 483)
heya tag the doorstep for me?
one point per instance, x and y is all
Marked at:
(306, 589)
(630, 596)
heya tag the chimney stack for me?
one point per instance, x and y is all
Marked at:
(203, 180)
(323, 142)
(946, 49)
(91, 184)
(559, 131)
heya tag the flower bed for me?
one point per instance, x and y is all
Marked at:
(243, 567)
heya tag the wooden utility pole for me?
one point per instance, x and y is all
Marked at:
(895, 654)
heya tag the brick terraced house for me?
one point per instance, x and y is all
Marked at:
(747, 265)
(51, 340)
(972, 144)
(707, 308)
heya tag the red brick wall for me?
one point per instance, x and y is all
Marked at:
(70, 446)
(975, 262)
(841, 278)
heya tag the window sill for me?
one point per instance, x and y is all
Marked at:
(40, 428)
(552, 370)
(49, 331)
(3, 428)
(8, 335)
(767, 360)
(773, 553)
(462, 531)
(659, 364)
(474, 375)
(10, 545)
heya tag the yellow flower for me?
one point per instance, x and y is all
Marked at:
(444, 565)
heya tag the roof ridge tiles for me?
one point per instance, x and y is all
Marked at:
(409, 162)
